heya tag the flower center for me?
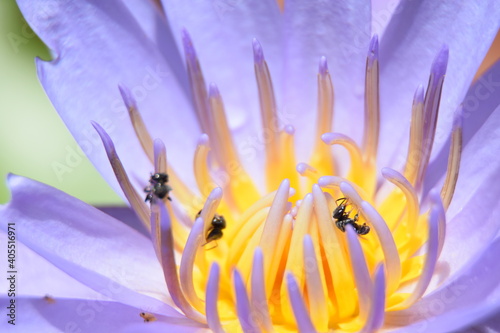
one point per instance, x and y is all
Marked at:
(321, 251)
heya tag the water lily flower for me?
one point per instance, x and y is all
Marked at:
(295, 197)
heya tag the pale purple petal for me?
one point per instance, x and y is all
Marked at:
(304, 323)
(475, 286)
(80, 315)
(376, 316)
(414, 36)
(50, 280)
(125, 215)
(340, 31)
(98, 46)
(154, 24)
(90, 246)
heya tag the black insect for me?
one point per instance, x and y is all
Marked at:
(342, 218)
(215, 231)
(158, 187)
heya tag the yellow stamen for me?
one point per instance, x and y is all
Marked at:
(454, 157)
(372, 104)
(321, 157)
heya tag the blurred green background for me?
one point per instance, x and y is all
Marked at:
(33, 139)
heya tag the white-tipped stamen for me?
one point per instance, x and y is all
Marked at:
(353, 149)
(318, 307)
(259, 299)
(212, 293)
(372, 104)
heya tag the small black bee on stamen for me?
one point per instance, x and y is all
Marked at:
(215, 231)
(158, 187)
(342, 218)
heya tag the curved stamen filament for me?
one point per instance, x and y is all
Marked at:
(454, 157)
(194, 243)
(372, 104)
(133, 198)
(391, 255)
(356, 173)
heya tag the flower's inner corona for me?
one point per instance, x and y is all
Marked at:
(283, 262)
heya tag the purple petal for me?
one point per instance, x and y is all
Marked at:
(416, 33)
(74, 236)
(340, 31)
(98, 46)
(78, 315)
(476, 286)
